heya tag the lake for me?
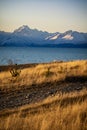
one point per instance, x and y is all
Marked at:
(22, 55)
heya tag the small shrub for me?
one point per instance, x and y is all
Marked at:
(15, 72)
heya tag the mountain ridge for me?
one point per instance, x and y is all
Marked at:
(25, 36)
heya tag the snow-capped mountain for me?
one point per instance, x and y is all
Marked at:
(33, 33)
(70, 37)
(24, 36)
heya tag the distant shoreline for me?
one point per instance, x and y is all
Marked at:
(62, 45)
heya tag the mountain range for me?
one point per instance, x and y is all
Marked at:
(25, 36)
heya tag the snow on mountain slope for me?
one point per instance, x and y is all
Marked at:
(24, 28)
(54, 37)
(67, 37)
(70, 37)
(24, 36)
(32, 33)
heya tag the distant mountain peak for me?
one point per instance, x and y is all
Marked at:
(69, 32)
(25, 36)
(22, 28)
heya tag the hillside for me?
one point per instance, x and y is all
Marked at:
(25, 36)
(47, 96)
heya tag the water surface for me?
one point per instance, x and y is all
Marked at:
(22, 55)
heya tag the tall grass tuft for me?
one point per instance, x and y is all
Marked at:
(14, 71)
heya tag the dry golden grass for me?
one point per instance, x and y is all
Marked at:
(61, 112)
(39, 74)
(56, 112)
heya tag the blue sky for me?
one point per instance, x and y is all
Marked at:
(46, 15)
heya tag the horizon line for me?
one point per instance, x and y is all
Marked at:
(41, 30)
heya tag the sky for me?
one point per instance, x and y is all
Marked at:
(46, 15)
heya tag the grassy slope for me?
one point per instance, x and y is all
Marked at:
(57, 111)
(61, 112)
(43, 73)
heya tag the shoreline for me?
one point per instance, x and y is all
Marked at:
(27, 65)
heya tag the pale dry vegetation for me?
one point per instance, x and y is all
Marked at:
(60, 112)
(51, 96)
(44, 73)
